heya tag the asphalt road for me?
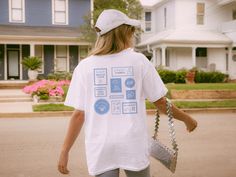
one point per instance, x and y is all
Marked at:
(30, 147)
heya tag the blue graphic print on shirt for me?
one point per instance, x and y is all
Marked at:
(129, 107)
(116, 85)
(115, 99)
(100, 91)
(101, 106)
(130, 94)
(116, 107)
(100, 76)
(122, 71)
(130, 82)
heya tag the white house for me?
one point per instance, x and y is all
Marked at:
(187, 33)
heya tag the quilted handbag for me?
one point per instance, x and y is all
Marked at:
(166, 155)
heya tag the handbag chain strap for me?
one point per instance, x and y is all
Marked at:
(170, 123)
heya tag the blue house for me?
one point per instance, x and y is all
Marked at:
(48, 29)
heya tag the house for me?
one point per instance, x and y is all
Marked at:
(48, 29)
(190, 33)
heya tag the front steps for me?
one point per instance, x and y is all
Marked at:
(13, 84)
(14, 95)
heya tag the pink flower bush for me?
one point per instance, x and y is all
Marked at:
(47, 88)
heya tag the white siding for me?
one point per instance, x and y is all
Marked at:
(217, 56)
(183, 58)
(158, 19)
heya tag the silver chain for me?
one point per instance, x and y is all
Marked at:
(170, 123)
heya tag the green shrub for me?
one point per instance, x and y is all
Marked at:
(44, 97)
(210, 77)
(167, 76)
(31, 62)
(180, 76)
(59, 76)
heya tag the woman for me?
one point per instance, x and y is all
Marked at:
(108, 91)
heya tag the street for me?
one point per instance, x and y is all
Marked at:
(30, 147)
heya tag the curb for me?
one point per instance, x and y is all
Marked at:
(68, 113)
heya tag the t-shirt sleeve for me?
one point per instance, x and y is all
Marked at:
(153, 86)
(76, 93)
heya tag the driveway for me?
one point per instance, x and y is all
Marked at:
(29, 147)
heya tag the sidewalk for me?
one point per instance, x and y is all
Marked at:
(15, 101)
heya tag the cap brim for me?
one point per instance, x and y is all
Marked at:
(133, 22)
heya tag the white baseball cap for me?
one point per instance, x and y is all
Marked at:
(111, 18)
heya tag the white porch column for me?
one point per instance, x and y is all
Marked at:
(230, 60)
(154, 57)
(194, 56)
(32, 50)
(163, 56)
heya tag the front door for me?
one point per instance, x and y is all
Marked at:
(13, 64)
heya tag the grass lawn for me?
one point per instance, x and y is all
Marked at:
(51, 107)
(179, 104)
(199, 104)
(203, 86)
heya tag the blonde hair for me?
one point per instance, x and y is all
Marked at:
(114, 41)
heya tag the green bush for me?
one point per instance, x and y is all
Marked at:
(59, 76)
(180, 76)
(167, 76)
(210, 77)
(31, 62)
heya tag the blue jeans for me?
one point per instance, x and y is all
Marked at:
(115, 173)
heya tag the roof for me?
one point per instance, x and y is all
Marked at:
(19, 30)
(223, 2)
(187, 36)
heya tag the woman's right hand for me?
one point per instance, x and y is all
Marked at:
(62, 163)
(191, 124)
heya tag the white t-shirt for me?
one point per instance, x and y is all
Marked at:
(112, 89)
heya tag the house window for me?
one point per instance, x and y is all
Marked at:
(17, 11)
(201, 52)
(200, 13)
(234, 14)
(165, 18)
(201, 57)
(148, 21)
(39, 53)
(60, 12)
(83, 52)
(61, 58)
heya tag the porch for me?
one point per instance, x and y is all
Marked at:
(206, 58)
(58, 47)
(178, 49)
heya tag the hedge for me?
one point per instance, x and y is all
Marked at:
(169, 76)
(210, 77)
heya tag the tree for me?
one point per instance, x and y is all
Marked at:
(132, 8)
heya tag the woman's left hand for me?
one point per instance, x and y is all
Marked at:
(191, 124)
(62, 163)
